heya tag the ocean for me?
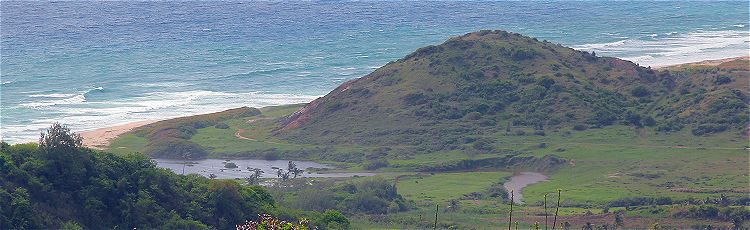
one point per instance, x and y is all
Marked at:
(95, 64)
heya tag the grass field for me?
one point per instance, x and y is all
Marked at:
(441, 187)
(603, 165)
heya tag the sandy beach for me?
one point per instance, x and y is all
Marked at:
(707, 62)
(100, 138)
(719, 61)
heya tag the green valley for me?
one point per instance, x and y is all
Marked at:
(446, 126)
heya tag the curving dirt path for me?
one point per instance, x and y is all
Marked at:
(238, 134)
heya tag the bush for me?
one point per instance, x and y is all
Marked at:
(482, 145)
(648, 121)
(580, 127)
(335, 220)
(473, 116)
(669, 126)
(633, 119)
(174, 148)
(376, 164)
(221, 125)
(230, 165)
(723, 80)
(640, 91)
(704, 129)
(640, 201)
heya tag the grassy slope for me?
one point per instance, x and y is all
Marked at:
(605, 159)
(608, 163)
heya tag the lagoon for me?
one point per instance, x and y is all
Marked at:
(206, 167)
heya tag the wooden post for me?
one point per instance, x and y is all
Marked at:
(545, 211)
(437, 208)
(510, 216)
(554, 222)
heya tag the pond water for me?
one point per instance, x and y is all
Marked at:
(207, 167)
(520, 180)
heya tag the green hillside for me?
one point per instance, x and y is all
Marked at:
(448, 125)
(489, 82)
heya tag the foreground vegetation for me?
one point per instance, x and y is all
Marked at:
(58, 184)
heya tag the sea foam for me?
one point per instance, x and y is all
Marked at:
(676, 48)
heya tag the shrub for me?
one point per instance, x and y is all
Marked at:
(704, 129)
(723, 80)
(640, 91)
(648, 121)
(175, 148)
(546, 82)
(415, 99)
(482, 144)
(473, 116)
(230, 165)
(376, 164)
(669, 126)
(580, 127)
(221, 125)
(640, 201)
(633, 118)
(335, 220)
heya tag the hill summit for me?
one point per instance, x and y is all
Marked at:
(491, 82)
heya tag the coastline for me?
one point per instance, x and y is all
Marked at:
(712, 62)
(100, 138)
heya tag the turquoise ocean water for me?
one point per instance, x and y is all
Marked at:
(96, 64)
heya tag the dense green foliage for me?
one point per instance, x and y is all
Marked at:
(493, 81)
(59, 184)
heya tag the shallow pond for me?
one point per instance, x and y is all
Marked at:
(520, 180)
(207, 167)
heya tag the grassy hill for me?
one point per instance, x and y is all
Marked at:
(449, 123)
(441, 97)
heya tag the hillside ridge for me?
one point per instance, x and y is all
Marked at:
(490, 82)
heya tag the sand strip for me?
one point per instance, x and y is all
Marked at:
(705, 62)
(100, 138)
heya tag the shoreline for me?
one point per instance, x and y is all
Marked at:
(710, 62)
(100, 138)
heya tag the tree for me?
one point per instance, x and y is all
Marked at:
(21, 212)
(254, 179)
(58, 138)
(66, 163)
(292, 168)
